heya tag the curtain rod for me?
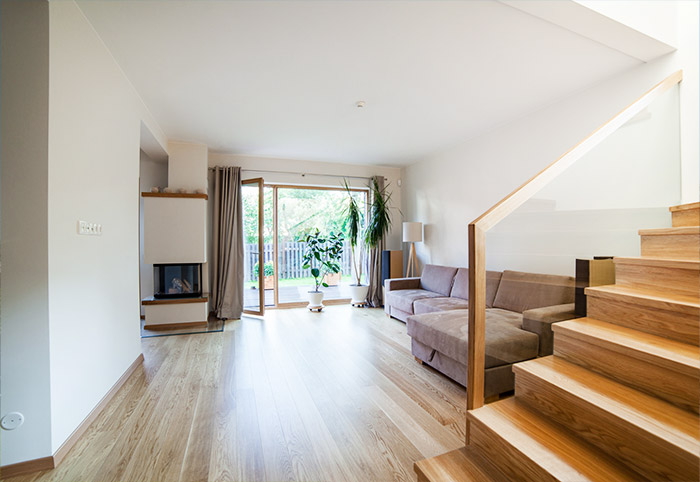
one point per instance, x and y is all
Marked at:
(302, 174)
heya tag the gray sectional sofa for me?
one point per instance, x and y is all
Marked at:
(520, 309)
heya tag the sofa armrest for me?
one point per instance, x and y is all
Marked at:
(395, 284)
(539, 321)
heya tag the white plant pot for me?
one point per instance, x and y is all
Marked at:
(315, 300)
(358, 294)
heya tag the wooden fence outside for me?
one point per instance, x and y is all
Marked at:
(291, 260)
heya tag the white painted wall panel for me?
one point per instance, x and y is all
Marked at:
(187, 166)
(176, 313)
(95, 118)
(174, 230)
(152, 173)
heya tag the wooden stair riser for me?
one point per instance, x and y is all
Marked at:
(676, 325)
(679, 388)
(673, 246)
(513, 463)
(676, 280)
(460, 465)
(526, 445)
(642, 451)
(686, 217)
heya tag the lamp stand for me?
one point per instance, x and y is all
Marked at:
(412, 262)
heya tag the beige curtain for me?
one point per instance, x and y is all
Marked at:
(227, 252)
(375, 294)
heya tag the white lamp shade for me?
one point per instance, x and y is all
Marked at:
(412, 232)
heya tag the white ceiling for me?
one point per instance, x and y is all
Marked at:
(280, 79)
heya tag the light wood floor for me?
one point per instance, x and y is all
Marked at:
(296, 396)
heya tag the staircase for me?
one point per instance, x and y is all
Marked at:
(619, 398)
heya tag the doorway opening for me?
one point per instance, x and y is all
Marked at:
(276, 221)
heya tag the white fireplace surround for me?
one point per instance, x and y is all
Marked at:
(175, 230)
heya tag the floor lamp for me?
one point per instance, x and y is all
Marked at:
(412, 233)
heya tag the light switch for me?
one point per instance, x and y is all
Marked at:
(89, 229)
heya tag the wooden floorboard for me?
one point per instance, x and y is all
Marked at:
(293, 396)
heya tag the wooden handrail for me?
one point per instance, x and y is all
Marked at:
(479, 227)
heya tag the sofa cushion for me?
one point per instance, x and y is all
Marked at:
(511, 317)
(446, 332)
(437, 278)
(460, 286)
(403, 299)
(493, 280)
(431, 305)
(519, 291)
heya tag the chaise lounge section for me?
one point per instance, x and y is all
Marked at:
(521, 308)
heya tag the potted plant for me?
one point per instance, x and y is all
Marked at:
(322, 255)
(378, 225)
(268, 273)
(332, 279)
(353, 222)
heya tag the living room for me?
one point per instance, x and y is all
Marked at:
(308, 96)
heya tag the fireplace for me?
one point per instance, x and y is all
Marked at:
(177, 280)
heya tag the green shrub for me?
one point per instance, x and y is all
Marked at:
(268, 270)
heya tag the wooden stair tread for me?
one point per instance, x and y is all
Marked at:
(659, 262)
(684, 230)
(460, 465)
(685, 207)
(660, 299)
(663, 351)
(558, 451)
(650, 414)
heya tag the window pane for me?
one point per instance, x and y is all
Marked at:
(301, 212)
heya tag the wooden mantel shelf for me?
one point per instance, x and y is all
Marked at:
(187, 195)
(173, 301)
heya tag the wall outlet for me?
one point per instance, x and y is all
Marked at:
(89, 229)
(11, 421)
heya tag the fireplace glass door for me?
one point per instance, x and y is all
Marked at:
(177, 280)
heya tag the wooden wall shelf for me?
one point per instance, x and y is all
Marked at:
(187, 195)
(173, 301)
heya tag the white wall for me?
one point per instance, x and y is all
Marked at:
(597, 206)
(650, 17)
(187, 166)
(94, 133)
(638, 166)
(152, 174)
(24, 319)
(676, 23)
(687, 59)
(453, 187)
(175, 230)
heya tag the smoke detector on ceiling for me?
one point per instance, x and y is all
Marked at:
(360, 104)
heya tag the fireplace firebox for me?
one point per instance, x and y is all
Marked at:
(177, 280)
